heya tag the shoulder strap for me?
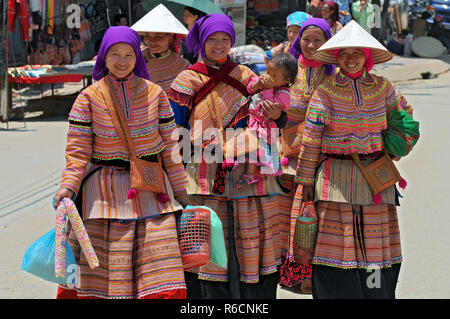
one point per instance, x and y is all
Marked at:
(215, 77)
(215, 112)
(117, 117)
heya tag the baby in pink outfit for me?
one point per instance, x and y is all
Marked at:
(282, 70)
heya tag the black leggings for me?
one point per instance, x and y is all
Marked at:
(336, 283)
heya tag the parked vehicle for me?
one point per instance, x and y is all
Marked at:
(418, 9)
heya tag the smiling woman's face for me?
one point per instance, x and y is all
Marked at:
(217, 46)
(120, 59)
(292, 33)
(311, 40)
(351, 60)
(158, 42)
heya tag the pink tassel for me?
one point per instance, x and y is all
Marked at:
(132, 194)
(377, 199)
(162, 197)
(402, 183)
(285, 161)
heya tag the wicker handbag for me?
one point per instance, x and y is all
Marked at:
(144, 175)
(194, 233)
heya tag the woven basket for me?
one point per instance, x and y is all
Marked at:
(305, 235)
(194, 232)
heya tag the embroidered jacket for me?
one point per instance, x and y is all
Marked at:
(165, 69)
(346, 116)
(92, 136)
(308, 79)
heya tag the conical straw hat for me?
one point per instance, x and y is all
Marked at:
(160, 19)
(352, 36)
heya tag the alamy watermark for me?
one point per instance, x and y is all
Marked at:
(74, 18)
(211, 145)
(73, 276)
(375, 21)
(374, 279)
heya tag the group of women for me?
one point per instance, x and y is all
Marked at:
(135, 237)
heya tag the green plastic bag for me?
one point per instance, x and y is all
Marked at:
(217, 250)
(402, 133)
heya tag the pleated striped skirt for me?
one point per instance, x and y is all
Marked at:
(357, 236)
(138, 259)
(256, 235)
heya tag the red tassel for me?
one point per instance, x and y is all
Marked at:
(402, 183)
(285, 161)
(162, 197)
(376, 199)
(132, 194)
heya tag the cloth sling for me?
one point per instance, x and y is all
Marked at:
(215, 77)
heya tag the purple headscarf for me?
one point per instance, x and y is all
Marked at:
(120, 34)
(296, 50)
(204, 28)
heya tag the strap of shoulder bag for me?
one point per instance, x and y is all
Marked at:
(118, 119)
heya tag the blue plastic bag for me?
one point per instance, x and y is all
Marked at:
(217, 250)
(39, 260)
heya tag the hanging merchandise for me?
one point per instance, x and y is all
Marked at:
(51, 15)
(85, 28)
(21, 11)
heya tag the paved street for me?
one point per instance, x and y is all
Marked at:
(32, 161)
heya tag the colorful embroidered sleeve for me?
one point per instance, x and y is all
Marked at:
(184, 87)
(317, 118)
(394, 99)
(171, 154)
(79, 143)
(250, 84)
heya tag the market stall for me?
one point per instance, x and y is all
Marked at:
(47, 74)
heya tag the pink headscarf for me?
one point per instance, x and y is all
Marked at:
(368, 65)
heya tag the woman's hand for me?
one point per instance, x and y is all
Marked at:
(60, 194)
(270, 109)
(308, 193)
(183, 198)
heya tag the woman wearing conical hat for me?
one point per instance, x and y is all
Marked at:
(159, 29)
(358, 231)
